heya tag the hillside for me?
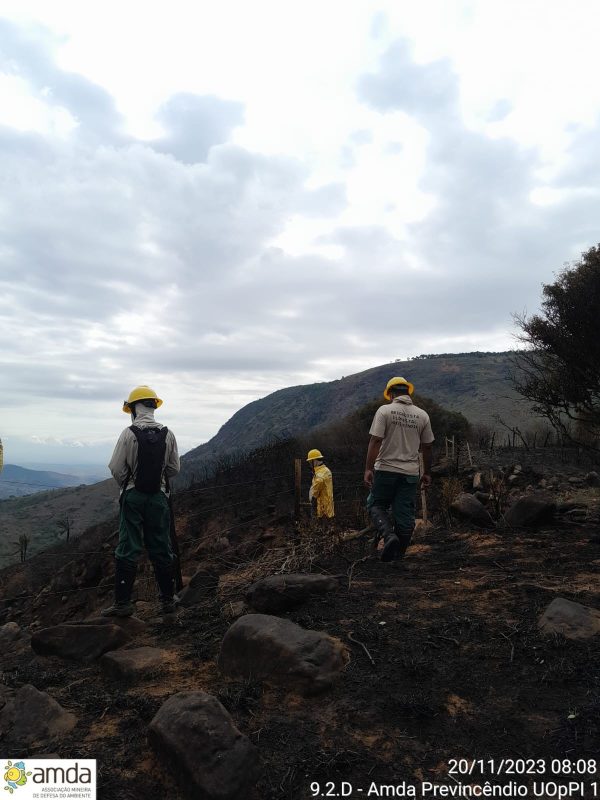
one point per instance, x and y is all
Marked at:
(37, 515)
(474, 384)
(18, 481)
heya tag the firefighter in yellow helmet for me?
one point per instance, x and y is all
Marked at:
(399, 431)
(144, 459)
(321, 488)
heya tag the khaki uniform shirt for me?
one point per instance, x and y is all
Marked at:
(403, 427)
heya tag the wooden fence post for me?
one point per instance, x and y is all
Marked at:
(297, 487)
(423, 495)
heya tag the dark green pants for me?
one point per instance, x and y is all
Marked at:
(398, 491)
(145, 522)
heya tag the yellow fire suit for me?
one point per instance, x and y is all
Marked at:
(322, 491)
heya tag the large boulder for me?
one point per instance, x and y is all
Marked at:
(531, 510)
(199, 740)
(570, 619)
(469, 508)
(33, 716)
(80, 642)
(203, 584)
(284, 592)
(259, 646)
(127, 665)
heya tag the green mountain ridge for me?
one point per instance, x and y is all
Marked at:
(475, 384)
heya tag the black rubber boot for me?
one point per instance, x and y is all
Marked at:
(125, 572)
(166, 587)
(385, 529)
(404, 538)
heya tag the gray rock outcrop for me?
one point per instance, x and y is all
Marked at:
(284, 592)
(469, 508)
(138, 662)
(262, 647)
(572, 620)
(534, 509)
(199, 740)
(33, 716)
(81, 642)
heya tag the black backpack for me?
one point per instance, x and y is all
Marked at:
(152, 446)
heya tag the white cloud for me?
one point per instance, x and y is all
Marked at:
(232, 211)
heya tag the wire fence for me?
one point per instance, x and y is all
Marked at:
(341, 500)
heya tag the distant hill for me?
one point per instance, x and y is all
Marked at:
(18, 481)
(37, 515)
(475, 384)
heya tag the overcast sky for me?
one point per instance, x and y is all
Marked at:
(224, 199)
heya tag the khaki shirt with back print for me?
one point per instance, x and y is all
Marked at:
(403, 427)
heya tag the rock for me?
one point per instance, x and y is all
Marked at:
(468, 507)
(284, 592)
(280, 652)
(530, 511)
(131, 625)
(11, 634)
(478, 481)
(543, 483)
(80, 642)
(554, 480)
(592, 478)
(134, 663)
(198, 738)
(517, 468)
(32, 716)
(574, 481)
(513, 478)
(569, 505)
(203, 584)
(570, 619)
(483, 497)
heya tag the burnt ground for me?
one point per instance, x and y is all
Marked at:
(460, 671)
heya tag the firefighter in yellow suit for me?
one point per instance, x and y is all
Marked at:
(321, 488)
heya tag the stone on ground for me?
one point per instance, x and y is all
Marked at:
(31, 716)
(284, 592)
(131, 625)
(592, 478)
(530, 511)
(135, 663)
(203, 584)
(262, 647)
(80, 642)
(572, 620)
(197, 737)
(469, 508)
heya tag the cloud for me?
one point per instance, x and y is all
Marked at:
(28, 53)
(195, 124)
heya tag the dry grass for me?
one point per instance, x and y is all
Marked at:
(314, 541)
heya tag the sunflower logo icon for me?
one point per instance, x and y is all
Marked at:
(15, 775)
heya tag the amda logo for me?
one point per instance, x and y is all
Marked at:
(15, 775)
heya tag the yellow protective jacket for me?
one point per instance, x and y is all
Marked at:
(322, 491)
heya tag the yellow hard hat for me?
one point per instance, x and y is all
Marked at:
(313, 455)
(141, 393)
(397, 382)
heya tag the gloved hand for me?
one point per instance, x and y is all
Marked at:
(311, 495)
